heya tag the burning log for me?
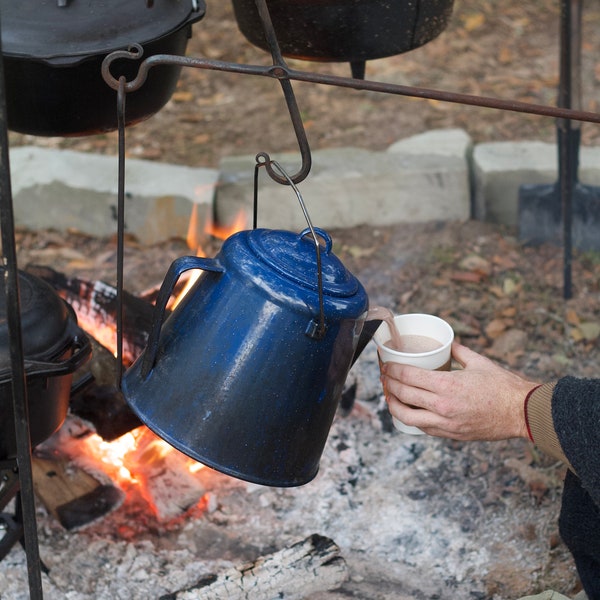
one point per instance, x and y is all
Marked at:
(79, 477)
(165, 476)
(307, 567)
(96, 306)
(96, 398)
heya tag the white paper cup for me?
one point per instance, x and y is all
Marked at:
(420, 325)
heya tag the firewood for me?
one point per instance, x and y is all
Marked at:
(164, 476)
(73, 496)
(98, 400)
(305, 568)
(95, 303)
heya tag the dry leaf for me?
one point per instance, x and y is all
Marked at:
(494, 328)
(474, 262)
(497, 291)
(590, 330)
(505, 55)
(467, 276)
(503, 262)
(474, 21)
(571, 317)
(182, 97)
(576, 334)
(510, 286)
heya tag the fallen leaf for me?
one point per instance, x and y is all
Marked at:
(494, 328)
(590, 330)
(572, 317)
(510, 286)
(182, 96)
(508, 343)
(476, 263)
(467, 276)
(503, 262)
(474, 21)
(576, 334)
(359, 251)
(461, 328)
(505, 55)
(497, 291)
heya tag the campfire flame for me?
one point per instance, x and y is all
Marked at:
(145, 466)
(213, 229)
(139, 460)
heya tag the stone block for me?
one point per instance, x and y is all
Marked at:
(501, 168)
(62, 189)
(424, 178)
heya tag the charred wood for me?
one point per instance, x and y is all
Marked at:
(305, 568)
(95, 303)
(98, 400)
(73, 496)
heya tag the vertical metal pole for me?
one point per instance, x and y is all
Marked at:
(569, 132)
(120, 227)
(19, 382)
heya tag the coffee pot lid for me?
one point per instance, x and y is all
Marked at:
(294, 256)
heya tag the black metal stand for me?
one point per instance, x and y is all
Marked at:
(19, 383)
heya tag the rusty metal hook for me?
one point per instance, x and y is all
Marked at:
(133, 52)
(280, 72)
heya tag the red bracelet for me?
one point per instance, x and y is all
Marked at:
(525, 409)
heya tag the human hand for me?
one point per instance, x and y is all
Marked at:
(481, 401)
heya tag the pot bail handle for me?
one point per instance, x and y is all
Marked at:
(178, 267)
(82, 350)
(315, 329)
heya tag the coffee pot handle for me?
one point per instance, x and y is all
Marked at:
(178, 267)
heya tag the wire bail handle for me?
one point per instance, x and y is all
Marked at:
(315, 329)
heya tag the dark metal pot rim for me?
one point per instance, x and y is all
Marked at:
(65, 36)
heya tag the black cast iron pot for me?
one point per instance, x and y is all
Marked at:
(53, 52)
(53, 348)
(345, 30)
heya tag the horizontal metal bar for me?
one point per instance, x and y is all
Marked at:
(282, 71)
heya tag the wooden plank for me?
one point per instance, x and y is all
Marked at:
(73, 496)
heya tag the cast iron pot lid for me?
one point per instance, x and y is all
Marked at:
(46, 31)
(45, 321)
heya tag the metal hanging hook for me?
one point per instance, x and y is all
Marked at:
(134, 52)
(280, 72)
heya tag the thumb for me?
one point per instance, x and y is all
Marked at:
(463, 355)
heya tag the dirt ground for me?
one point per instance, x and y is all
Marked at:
(503, 300)
(508, 50)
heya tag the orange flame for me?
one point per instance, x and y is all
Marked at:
(213, 229)
(134, 458)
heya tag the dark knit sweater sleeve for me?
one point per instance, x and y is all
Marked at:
(576, 416)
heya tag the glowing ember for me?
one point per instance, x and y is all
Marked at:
(111, 455)
(143, 465)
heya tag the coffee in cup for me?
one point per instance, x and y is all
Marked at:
(420, 340)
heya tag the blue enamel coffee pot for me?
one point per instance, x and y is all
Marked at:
(246, 373)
